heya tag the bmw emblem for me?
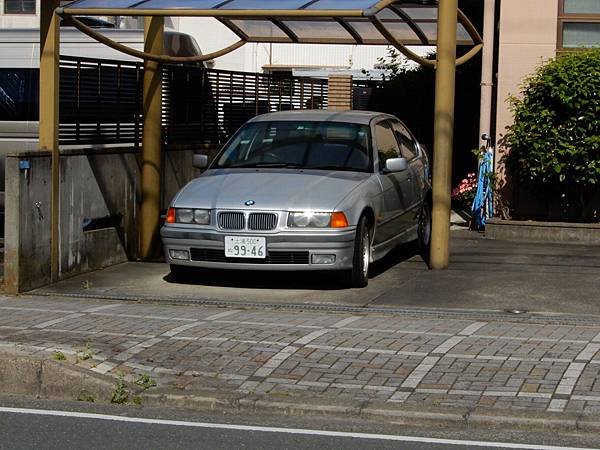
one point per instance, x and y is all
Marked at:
(249, 202)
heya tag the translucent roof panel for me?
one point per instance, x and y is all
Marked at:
(367, 31)
(178, 4)
(264, 4)
(307, 31)
(403, 32)
(102, 4)
(306, 21)
(342, 4)
(420, 13)
(260, 30)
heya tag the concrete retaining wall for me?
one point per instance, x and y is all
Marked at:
(559, 232)
(97, 186)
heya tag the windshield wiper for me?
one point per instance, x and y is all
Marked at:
(259, 165)
(345, 169)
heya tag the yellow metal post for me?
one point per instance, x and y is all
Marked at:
(49, 102)
(151, 140)
(443, 133)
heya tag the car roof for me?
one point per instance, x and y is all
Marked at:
(321, 115)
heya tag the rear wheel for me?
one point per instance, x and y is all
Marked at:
(424, 231)
(359, 274)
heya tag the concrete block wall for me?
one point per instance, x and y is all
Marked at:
(340, 92)
(94, 185)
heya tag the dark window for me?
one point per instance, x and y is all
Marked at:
(408, 146)
(19, 6)
(578, 24)
(299, 145)
(19, 94)
(387, 147)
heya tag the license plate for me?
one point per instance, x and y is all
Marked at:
(245, 247)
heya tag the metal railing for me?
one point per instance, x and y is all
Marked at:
(206, 106)
(101, 101)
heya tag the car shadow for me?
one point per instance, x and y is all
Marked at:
(298, 280)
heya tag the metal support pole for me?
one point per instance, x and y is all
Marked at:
(443, 133)
(151, 140)
(49, 103)
(487, 68)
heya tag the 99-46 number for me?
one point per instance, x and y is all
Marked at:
(242, 250)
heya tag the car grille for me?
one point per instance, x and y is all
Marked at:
(281, 257)
(232, 221)
(262, 221)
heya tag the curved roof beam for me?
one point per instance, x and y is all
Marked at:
(351, 31)
(148, 56)
(283, 27)
(411, 23)
(399, 46)
(235, 29)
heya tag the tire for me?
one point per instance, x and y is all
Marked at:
(424, 231)
(359, 274)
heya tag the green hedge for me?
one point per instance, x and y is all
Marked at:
(555, 139)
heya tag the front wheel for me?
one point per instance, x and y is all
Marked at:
(424, 231)
(359, 274)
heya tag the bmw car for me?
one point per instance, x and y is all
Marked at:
(303, 190)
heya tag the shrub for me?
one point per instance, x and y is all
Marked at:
(555, 139)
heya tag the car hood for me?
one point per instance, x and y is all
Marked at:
(269, 189)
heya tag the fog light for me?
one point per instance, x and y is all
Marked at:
(323, 259)
(179, 254)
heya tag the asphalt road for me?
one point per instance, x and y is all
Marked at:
(25, 428)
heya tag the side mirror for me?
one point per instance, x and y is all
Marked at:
(200, 161)
(396, 165)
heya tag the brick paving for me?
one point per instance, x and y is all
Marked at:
(413, 360)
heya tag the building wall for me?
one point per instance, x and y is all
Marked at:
(528, 38)
(19, 20)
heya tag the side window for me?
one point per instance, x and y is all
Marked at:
(408, 146)
(19, 6)
(387, 147)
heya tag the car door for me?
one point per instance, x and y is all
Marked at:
(396, 186)
(409, 150)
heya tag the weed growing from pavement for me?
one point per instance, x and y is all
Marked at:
(87, 353)
(85, 397)
(137, 400)
(58, 356)
(120, 394)
(145, 381)
(87, 284)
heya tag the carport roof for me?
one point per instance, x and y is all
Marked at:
(300, 21)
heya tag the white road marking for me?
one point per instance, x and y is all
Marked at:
(344, 322)
(49, 323)
(102, 308)
(260, 429)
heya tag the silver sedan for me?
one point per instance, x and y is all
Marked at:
(304, 190)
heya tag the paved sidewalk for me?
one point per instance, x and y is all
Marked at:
(537, 364)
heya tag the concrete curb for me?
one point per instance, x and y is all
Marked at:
(47, 379)
(42, 378)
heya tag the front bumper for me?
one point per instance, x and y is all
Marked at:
(207, 248)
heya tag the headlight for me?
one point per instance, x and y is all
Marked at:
(309, 219)
(202, 216)
(185, 215)
(188, 215)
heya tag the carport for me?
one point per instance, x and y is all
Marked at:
(359, 22)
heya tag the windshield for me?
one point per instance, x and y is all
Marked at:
(299, 145)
